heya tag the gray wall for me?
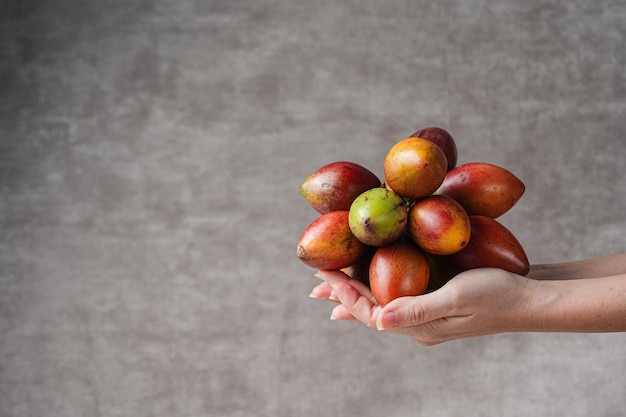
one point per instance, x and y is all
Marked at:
(150, 159)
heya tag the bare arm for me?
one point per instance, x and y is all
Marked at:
(588, 268)
(580, 305)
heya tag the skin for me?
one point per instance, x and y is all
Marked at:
(583, 296)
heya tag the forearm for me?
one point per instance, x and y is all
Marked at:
(589, 268)
(581, 305)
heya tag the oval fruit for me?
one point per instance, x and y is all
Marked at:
(439, 225)
(378, 217)
(441, 138)
(328, 244)
(482, 188)
(397, 270)
(334, 186)
(415, 167)
(491, 246)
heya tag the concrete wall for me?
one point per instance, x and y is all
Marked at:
(150, 158)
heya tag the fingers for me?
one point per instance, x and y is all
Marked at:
(357, 301)
(336, 276)
(323, 291)
(407, 315)
(414, 311)
(329, 276)
(341, 313)
(358, 305)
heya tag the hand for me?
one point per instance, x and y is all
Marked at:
(476, 302)
(582, 296)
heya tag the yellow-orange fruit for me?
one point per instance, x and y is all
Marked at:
(415, 167)
(439, 225)
(441, 138)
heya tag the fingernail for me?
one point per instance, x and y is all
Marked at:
(330, 276)
(386, 321)
(333, 296)
(332, 316)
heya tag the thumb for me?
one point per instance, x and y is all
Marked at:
(412, 311)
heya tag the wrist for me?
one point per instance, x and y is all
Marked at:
(542, 302)
(526, 315)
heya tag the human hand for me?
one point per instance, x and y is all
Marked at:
(473, 303)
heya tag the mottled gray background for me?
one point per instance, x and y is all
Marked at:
(150, 158)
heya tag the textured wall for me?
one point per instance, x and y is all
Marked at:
(150, 159)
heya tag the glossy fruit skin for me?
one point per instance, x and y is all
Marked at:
(328, 244)
(334, 186)
(378, 217)
(397, 270)
(439, 225)
(491, 246)
(415, 167)
(482, 188)
(441, 138)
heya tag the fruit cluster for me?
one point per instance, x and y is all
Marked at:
(427, 221)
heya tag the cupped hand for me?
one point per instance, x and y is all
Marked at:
(473, 303)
